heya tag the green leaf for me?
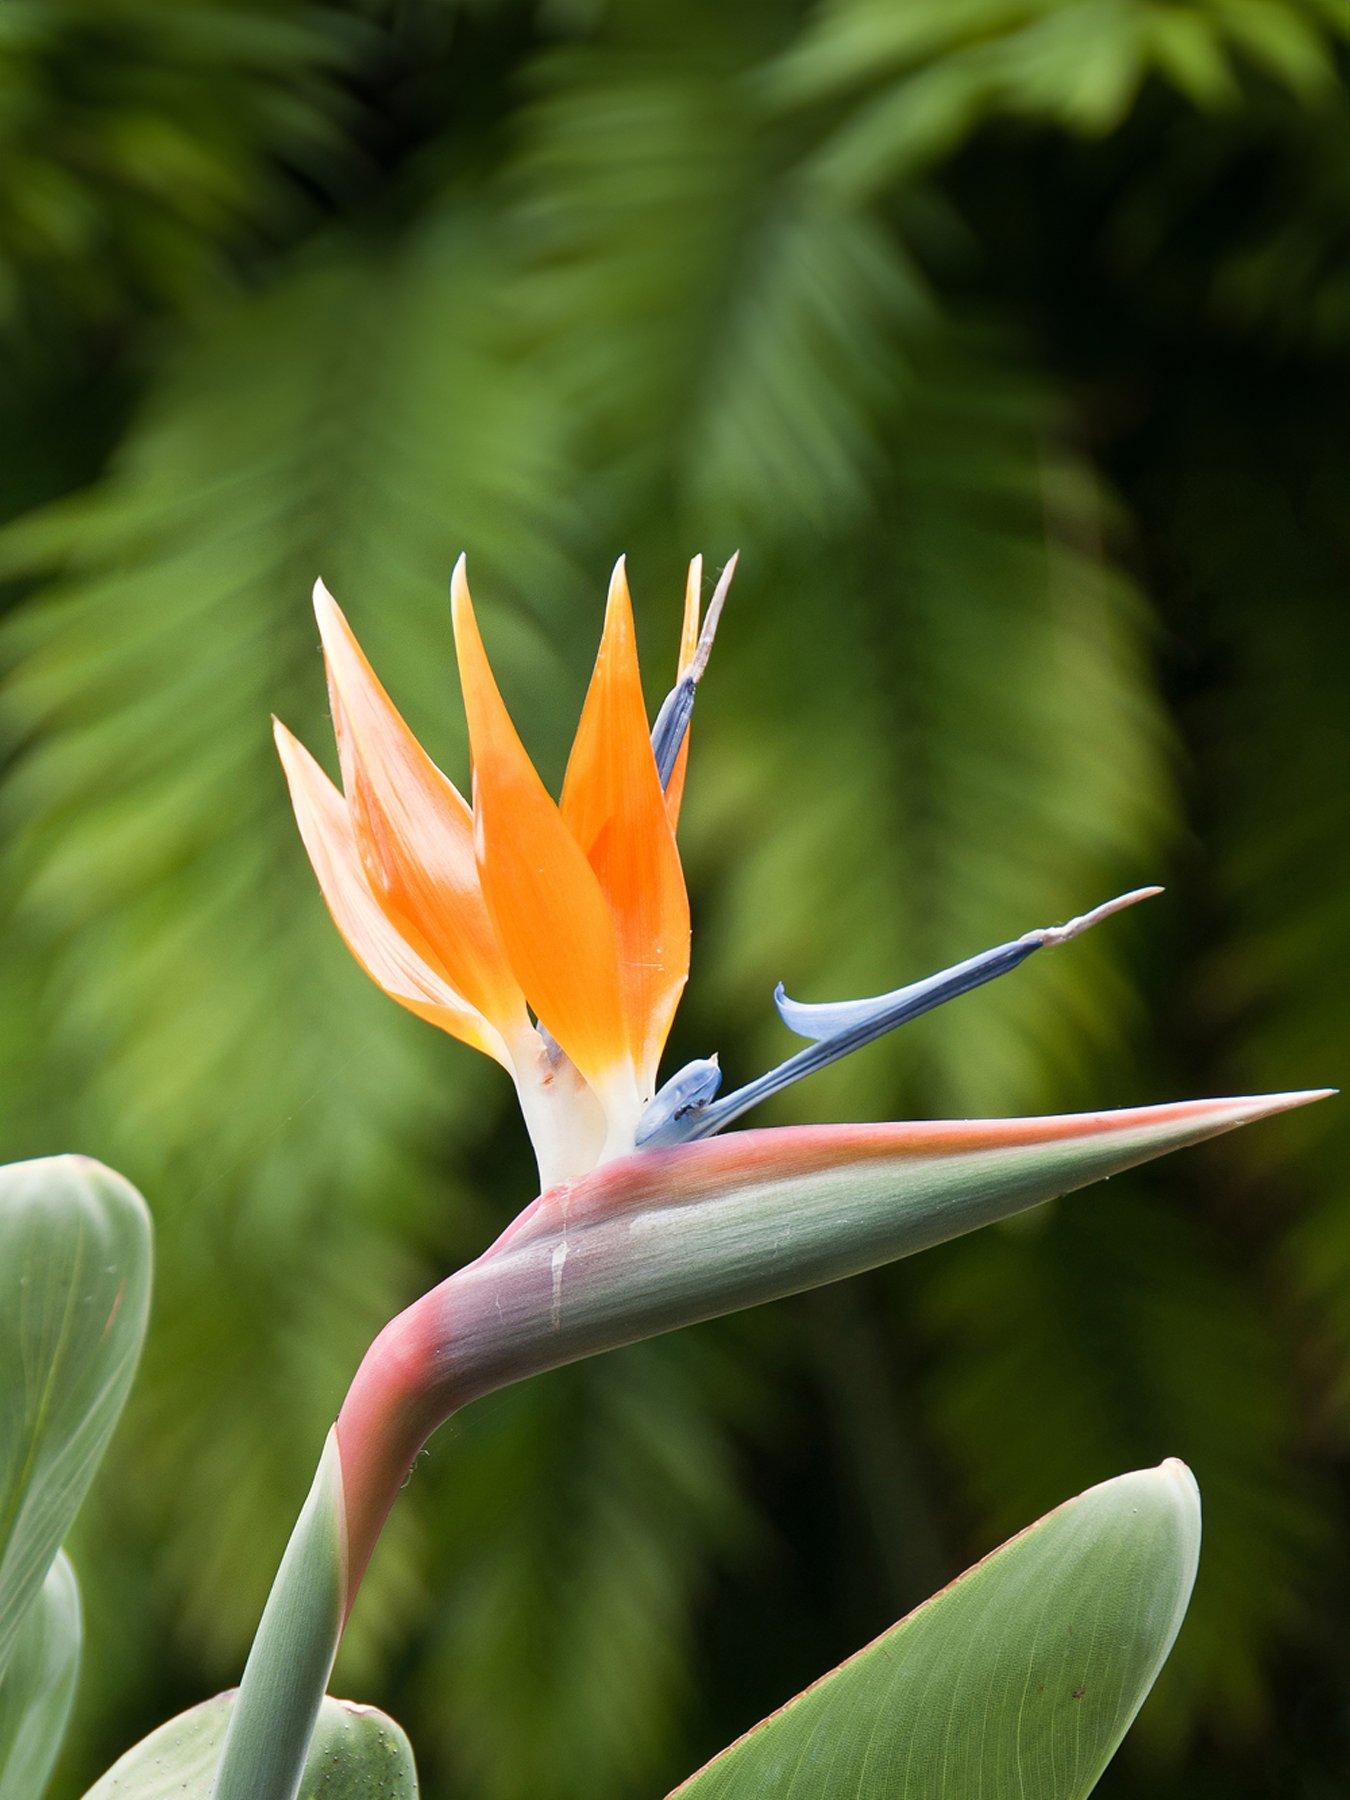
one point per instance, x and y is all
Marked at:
(1020, 1678)
(357, 1754)
(75, 1257)
(38, 1687)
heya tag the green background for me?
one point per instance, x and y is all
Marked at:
(1010, 341)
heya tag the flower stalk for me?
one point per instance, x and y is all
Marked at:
(287, 1672)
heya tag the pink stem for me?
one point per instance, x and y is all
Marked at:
(393, 1405)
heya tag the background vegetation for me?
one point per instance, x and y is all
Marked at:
(1010, 339)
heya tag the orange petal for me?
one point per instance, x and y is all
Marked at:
(693, 590)
(413, 829)
(613, 803)
(551, 917)
(395, 963)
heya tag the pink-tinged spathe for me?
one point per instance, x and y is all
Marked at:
(669, 1237)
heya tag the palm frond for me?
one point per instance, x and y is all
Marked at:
(920, 80)
(141, 139)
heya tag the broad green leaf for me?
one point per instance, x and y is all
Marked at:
(75, 1257)
(38, 1687)
(357, 1754)
(1018, 1680)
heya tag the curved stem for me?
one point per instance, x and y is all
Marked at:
(394, 1404)
(287, 1672)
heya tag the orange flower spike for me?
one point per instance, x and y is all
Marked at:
(384, 951)
(693, 593)
(414, 831)
(551, 917)
(613, 803)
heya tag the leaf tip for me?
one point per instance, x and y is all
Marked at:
(1177, 1493)
(1177, 1474)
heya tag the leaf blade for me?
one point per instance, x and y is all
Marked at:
(972, 1693)
(356, 1752)
(38, 1687)
(75, 1264)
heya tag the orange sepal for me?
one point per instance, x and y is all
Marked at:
(613, 804)
(395, 962)
(693, 592)
(552, 920)
(414, 830)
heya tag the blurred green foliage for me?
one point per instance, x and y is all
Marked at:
(1010, 340)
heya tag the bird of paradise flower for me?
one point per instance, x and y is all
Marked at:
(554, 937)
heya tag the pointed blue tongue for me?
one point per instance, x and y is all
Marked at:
(835, 1028)
(672, 721)
(826, 1019)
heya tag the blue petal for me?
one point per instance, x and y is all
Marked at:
(671, 724)
(837, 1027)
(861, 1020)
(680, 1102)
(672, 721)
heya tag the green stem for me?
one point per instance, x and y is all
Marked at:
(287, 1671)
(404, 1388)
